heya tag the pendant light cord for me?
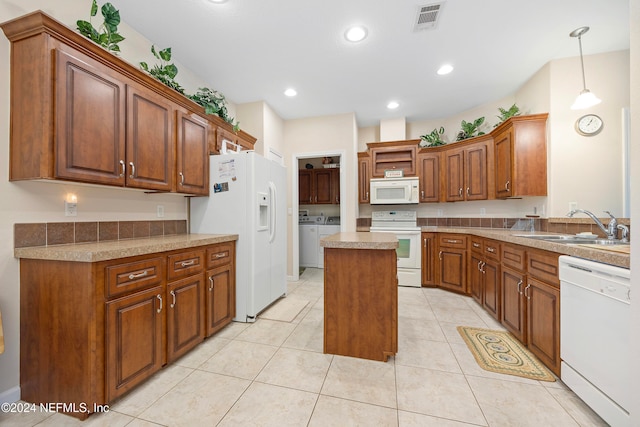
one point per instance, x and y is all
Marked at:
(584, 80)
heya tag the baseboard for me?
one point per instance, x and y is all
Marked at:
(11, 395)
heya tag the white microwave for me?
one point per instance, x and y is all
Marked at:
(394, 191)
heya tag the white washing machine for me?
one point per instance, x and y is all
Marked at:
(309, 239)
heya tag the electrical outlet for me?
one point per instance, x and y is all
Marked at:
(70, 209)
(573, 206)
(160, 211)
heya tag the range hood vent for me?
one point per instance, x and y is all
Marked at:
(427, 17)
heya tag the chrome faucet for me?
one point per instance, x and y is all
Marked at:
(610, 230)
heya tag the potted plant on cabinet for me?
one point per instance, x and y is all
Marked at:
(108, 37)
(470, 129)
(432, 139)
(514, 110)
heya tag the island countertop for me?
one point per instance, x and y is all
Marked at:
(360, 240)
(103, 251)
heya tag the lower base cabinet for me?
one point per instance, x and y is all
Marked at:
(543, 322)
(91, 332)
(514, 304)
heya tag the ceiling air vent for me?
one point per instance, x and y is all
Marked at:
(428, 15)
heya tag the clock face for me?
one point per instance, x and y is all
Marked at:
(589, 125)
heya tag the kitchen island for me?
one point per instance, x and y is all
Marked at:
(360, 295)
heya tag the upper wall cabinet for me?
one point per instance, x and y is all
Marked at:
(521, 156)
(80, 113)
(396, 155)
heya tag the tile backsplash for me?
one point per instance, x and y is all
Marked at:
(61, 233)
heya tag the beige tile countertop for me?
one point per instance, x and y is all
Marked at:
(581, 251)
(358, 240)
(103, 251)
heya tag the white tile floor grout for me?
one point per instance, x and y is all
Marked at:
(273, 373)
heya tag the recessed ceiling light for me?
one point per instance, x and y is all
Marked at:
(290, 92)
(356, 34)
(392, 105)
(217, 1)
(445, 69)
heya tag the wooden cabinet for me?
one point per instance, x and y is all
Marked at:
(185, 302)
(429, 176)
(361, 303)
(364, 177)
(429, 245)
(239, 138)
(521, 157)
(543, 307)
(80, 113)
(397, 155)
(514, 281)
(221, 285)
(451, 263)
(150, 140)
(92, 331)
(484, 274)
(319, 186)
(466, 170)
(192, 154)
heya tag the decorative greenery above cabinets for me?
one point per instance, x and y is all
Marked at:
(164, 72)
(470, 129)
(514, 110)
(108, 38)
(432, 139)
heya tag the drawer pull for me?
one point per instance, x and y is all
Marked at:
(160, 298)
(453, 241)
(476, 245)
(188, 263)
(492, 250)
(138, 275)
(173, 294)
(221, 255)
(211, 283)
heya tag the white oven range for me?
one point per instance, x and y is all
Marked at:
(404, 225)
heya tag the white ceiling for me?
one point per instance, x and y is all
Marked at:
(252, 50)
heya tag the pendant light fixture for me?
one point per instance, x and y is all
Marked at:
(586, 98)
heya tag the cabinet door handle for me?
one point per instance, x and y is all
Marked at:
(138, 275)
(422, 192)
(460, 192)
(173, 294)
(367, 198)
(526, 294)
(160, 298)
(440, 255)
(467, 191)
(210, 283)
(482, 269)
(133, 170)
(480, 265)
(181, 178)
(337, 200)
(520, 287)
(122, 168)
(188, 263)
(506, 185)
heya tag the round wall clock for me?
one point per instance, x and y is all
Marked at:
(589, 125)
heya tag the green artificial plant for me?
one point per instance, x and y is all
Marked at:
(165, 72)
(470, 129)
(505, 114)
(432, 139)
(107, 35)
(214, 103)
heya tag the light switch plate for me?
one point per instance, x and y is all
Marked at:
(160, 211)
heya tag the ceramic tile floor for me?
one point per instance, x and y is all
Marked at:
(273, 373)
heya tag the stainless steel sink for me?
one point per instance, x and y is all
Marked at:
(571, 239)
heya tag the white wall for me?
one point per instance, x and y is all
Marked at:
(634, 339)
(44, 201)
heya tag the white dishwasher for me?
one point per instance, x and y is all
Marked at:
(595, 322)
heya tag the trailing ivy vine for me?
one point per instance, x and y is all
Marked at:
(107, 34)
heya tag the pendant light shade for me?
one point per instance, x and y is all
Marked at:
(586, 98)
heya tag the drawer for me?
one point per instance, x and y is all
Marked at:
(452, 241)
(185, 264)
(132, 276)
(219, 255)
(514, 257)
(476, 244)
(544, 266)
(491, 249)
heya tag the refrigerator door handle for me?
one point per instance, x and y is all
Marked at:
(272, 211)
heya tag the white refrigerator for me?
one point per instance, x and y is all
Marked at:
(248, 198)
